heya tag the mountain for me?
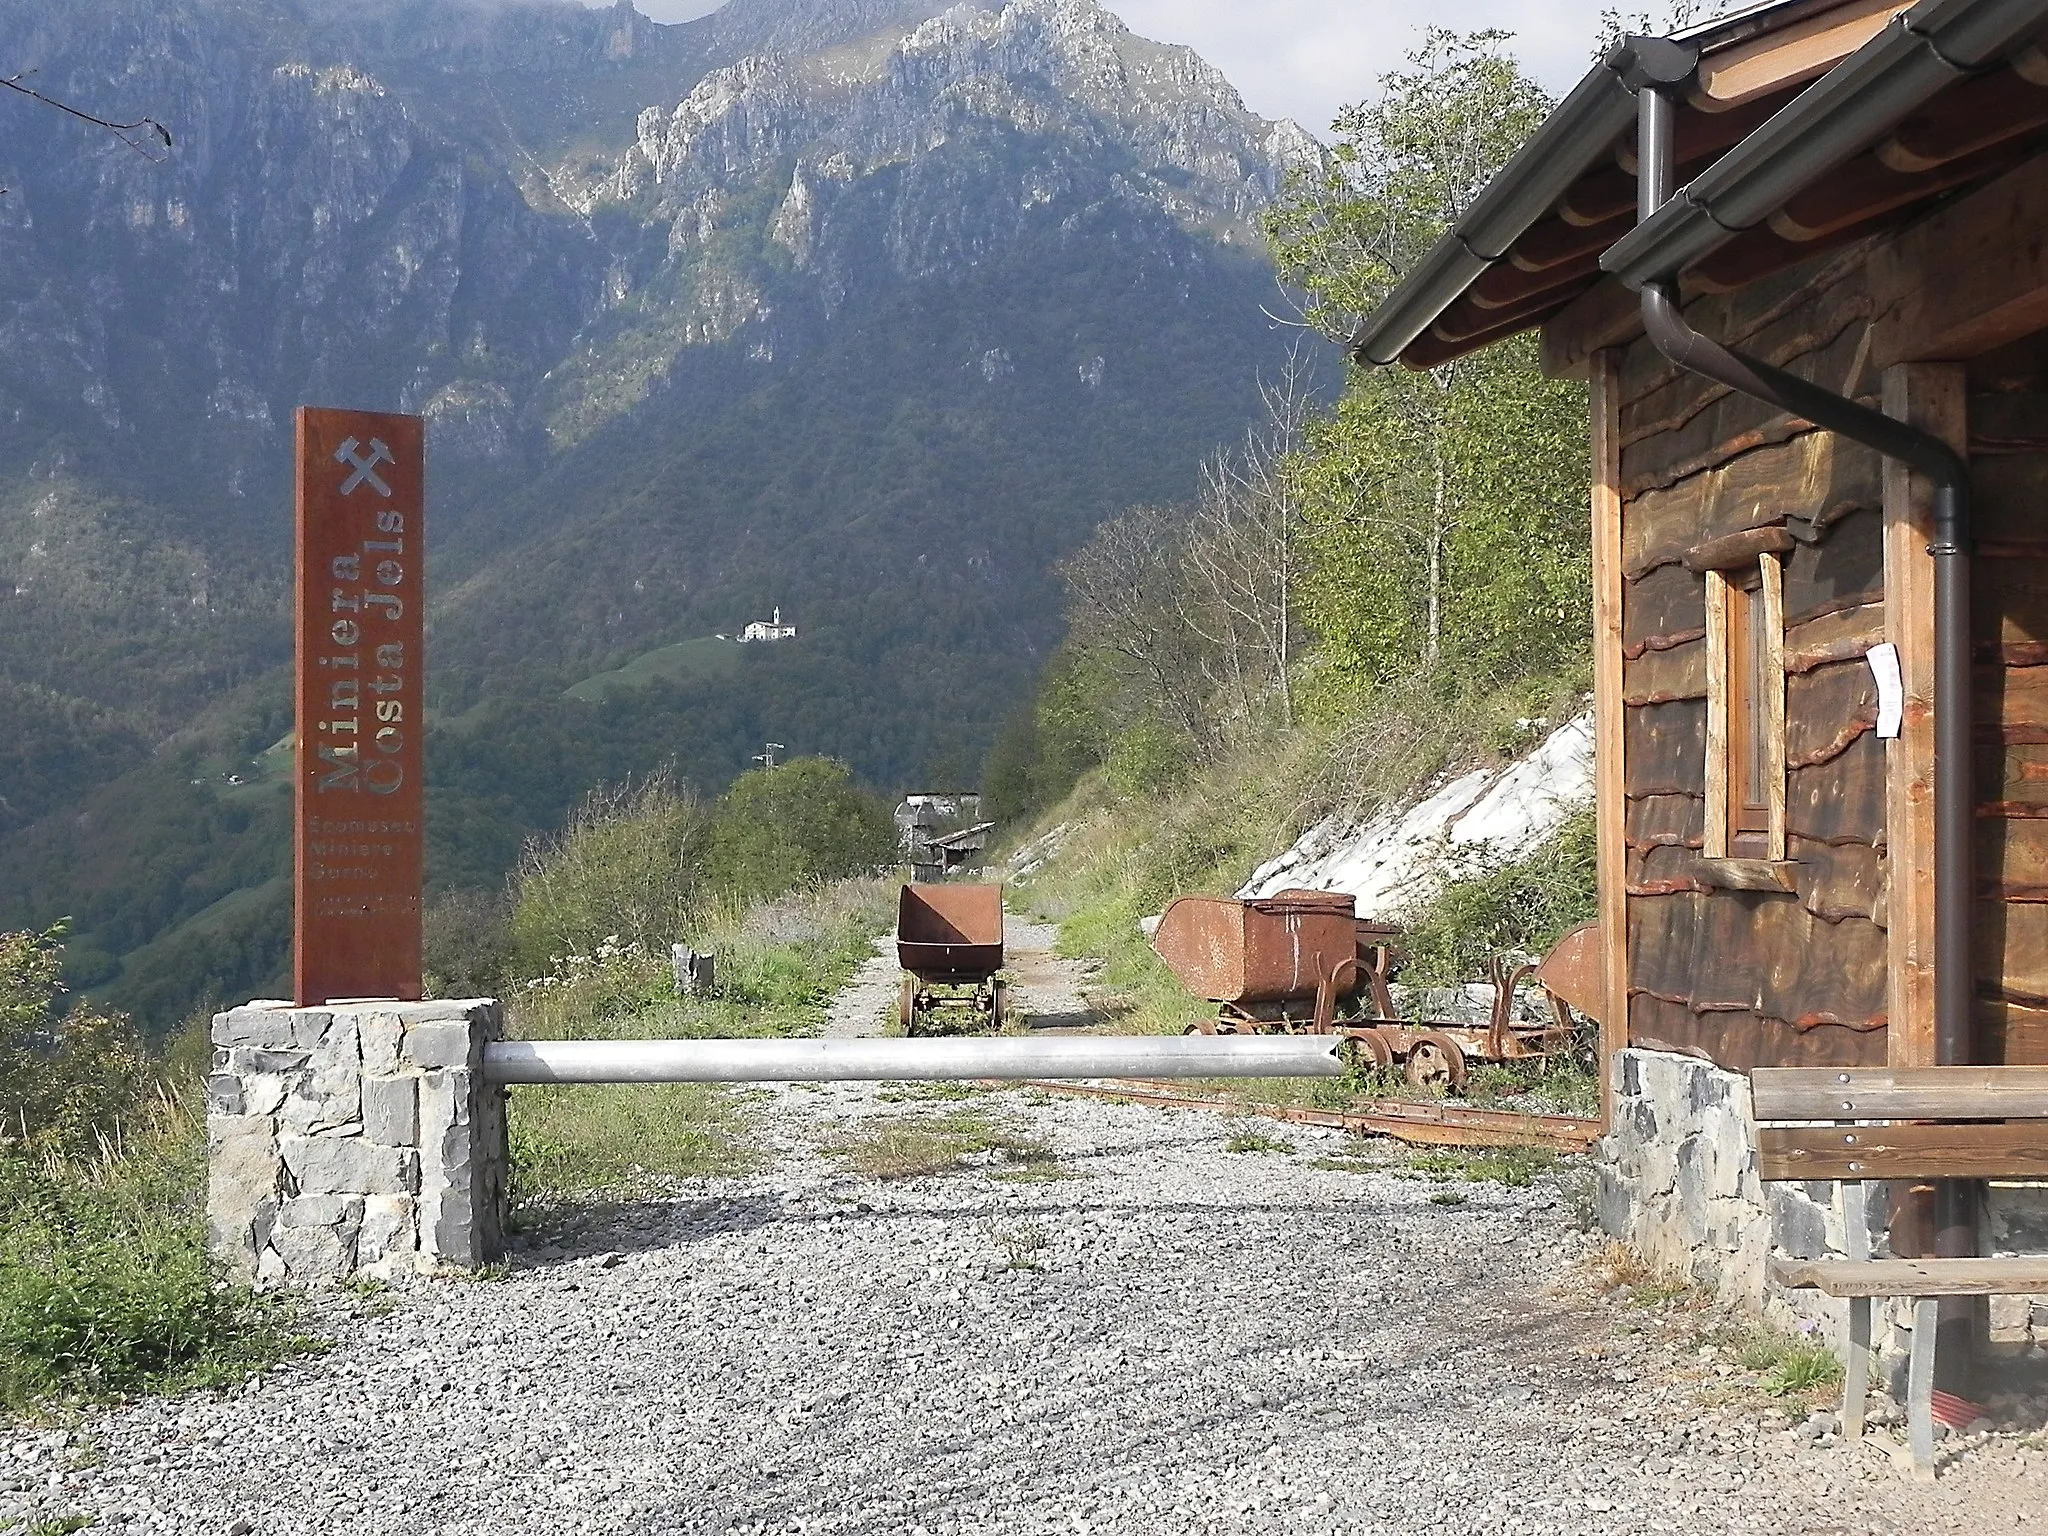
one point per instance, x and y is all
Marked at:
(870, 310)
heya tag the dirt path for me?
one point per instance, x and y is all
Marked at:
(1047, 990)
(1076, 1317)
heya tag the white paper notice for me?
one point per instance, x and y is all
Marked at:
(1891, 689)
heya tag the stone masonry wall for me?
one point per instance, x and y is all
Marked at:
(355, 1139)
(1679, 1183)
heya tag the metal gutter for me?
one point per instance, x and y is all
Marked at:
(1919, 54)
(1954, 750)
(1599, 108)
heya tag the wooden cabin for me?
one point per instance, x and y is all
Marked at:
(1860, 197)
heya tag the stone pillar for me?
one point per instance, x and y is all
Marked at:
(354, 1139)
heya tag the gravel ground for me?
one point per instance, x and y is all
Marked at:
(1173, 1338)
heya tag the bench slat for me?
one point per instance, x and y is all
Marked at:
(2017, 1151)
(1913, 1277)
(1900, 1093)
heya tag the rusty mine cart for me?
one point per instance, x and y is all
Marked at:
(949, 941)
(1303, 962)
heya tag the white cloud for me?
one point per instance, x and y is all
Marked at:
(1306, 59)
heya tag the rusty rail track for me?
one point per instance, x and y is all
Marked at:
(1430, 1124)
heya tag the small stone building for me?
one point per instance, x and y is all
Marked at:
(1854, 192)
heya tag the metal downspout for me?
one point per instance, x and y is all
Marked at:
(1954, 789)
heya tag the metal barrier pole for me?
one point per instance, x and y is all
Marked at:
(895, 1060)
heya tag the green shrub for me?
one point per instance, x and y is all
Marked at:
(1494, 905)
(105, 1286)
(796, 824)
(625, 869)
(66, 1074)
(779, 964)
(467, 944)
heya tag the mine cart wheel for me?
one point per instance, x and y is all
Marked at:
(1368, 1051)
(1200, 1027)
(906, 1005)
(1436, 1063)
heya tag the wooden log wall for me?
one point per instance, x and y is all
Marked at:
(1748, 977)
(2008, 428)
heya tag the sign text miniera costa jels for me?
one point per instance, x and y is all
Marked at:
(357, 845)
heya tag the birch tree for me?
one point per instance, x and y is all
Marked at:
(1443, 522)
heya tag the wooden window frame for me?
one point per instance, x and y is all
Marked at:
(1741, 687)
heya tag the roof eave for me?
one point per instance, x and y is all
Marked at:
(1584, 124)
(1918, 54)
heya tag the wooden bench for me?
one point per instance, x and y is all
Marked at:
(1900, 1123)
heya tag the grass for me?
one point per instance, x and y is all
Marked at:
(702, 657)
(106, 1290)
(779, 964)
(1252, 1141)
(1787, 1364)
(928, 1093)
(1516, 1167)
(57, 1525)
(914, 1146)
(1615, 1266)
(1022, 1244)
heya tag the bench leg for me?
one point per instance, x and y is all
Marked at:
(1856, 1369)
(1920, 1389)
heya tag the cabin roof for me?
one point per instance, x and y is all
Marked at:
(1801, 125)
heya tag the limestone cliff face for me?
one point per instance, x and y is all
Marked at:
(585, 244)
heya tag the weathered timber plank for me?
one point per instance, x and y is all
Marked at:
(2012, 703)
(1749, 875)
(2015, 780)
(1903, 1093)
(1786, 318)
(2011, 943)
(2010, 602)
(1911, 1277)
(1716, 770)
(1773, 681)
(2009, 418)
(1826, 710)
(1606, 315)
(1767, 954)
(1741, 1042)
(1663, 933)
(2018, 1151)
(1844, 635)
(2008, 491)
(1840, 880)
(1933, 396)
(1842, 799)
(1691, 424)
(1738, 551)
(1662, 820)
(1666, 748)
(1844, 569)
(2012, 858)
(1610, 734)
(1832, 881)
(2012, 1034)
(1658, 677)
(1819, 477)
(1669, 605)
(2007, 291)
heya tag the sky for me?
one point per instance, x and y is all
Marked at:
(1306, 59)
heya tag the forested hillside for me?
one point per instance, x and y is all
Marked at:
(1361, 593)
(842, 305)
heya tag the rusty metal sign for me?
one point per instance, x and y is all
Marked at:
(357, 800)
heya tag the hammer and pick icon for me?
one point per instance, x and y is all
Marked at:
(365, 468)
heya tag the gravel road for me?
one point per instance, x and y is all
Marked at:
(1170, 1338)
